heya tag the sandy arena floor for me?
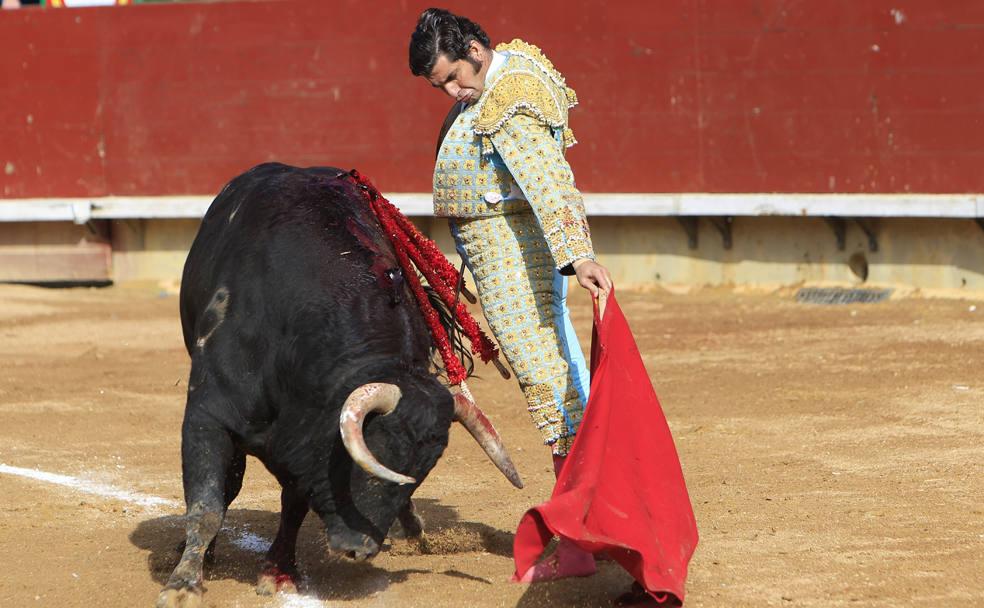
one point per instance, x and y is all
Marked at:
(834, 455)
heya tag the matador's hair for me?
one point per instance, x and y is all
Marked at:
(441, 32)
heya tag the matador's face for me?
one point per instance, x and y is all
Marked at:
(463, 80)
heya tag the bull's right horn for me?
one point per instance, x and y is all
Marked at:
(374, 397)
(467, 412)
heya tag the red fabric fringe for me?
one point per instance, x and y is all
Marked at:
(416, 252)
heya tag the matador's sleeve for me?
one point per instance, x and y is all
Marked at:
(537, 163)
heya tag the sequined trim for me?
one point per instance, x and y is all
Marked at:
(562, 446)
(533, 53)
(543, 409)
(533, 88)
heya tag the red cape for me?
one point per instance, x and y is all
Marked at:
(621, 490)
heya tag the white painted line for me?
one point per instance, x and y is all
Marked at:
(242, 536)
(90, 487)
(299, 601)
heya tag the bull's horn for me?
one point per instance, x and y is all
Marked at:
(375, 397)
(471, 417)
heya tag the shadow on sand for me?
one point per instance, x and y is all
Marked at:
(598, 591)
(246, 535)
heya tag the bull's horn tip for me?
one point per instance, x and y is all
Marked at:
(513, 476)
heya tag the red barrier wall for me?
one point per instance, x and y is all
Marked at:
(676, 95)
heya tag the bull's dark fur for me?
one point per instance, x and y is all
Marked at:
(291, 298)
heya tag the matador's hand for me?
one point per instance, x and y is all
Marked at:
(592, 276)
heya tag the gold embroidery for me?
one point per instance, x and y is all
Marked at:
(533, 53)
(563, 445)
(520, 92)
(540, 400)
(532, 87)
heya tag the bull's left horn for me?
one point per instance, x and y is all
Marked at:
(467, 412)
(375, 397)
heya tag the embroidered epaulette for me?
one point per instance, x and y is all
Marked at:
(528, 85)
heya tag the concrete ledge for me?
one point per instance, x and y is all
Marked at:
(806, 205)
(81, 210)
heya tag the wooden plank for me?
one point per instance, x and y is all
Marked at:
(675, 96)
(54, 251)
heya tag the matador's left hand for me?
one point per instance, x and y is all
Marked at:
(592, 276)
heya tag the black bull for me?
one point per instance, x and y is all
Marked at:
(309, 353)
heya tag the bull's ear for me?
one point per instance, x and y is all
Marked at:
(378, 397)
(467, 412)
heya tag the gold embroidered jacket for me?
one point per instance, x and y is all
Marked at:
(506, 152)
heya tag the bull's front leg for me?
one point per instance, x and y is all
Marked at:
(280, 569)
(410, 521)
(208, 457)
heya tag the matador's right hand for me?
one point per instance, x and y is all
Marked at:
(592, 276)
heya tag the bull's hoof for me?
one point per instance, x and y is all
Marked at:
(273, 580)
(181, 597)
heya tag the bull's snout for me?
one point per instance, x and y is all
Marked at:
(354, 546)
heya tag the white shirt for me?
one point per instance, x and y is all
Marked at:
(498, 59)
